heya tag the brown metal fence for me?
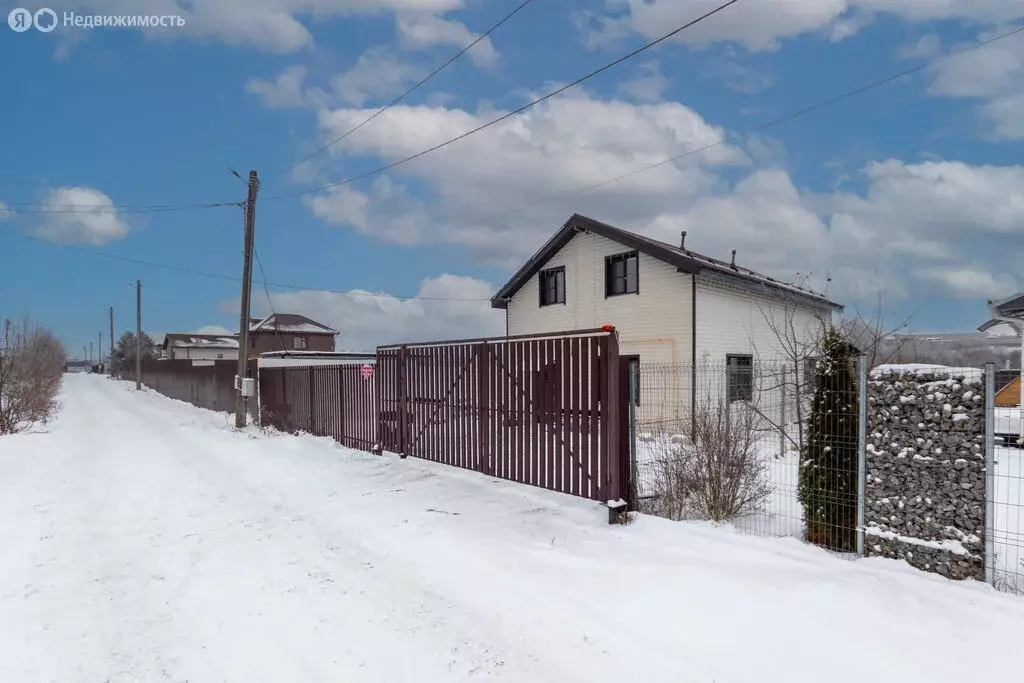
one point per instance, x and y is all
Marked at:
(207, 384)
(543, 410)
(331, 400)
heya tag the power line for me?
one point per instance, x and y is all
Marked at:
(62, 209)
(232, 278)
(415, 87)
(752, 131)
(510, 114)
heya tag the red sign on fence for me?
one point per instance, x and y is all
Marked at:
(366, 371)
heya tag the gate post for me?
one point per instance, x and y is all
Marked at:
(990, 473)
(483, 369)
(614, 438)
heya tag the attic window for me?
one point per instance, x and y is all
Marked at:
(552, 286)
(621, 274)
(299, 342)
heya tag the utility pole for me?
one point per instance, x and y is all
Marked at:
(138, 335)
(111, 341)
(243, 322)
(90, 357)
(99, 349)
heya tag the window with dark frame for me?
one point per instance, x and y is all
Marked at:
(622, 274)
(299, 342)
(552, 286)
(739, 374)
(810, 375)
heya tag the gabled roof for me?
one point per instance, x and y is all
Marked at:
(1010, 307)
(684, 260)
(204, 341)
(291, 323)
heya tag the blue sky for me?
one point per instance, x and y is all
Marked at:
(910, 191)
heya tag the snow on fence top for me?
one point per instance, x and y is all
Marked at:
(924, 370)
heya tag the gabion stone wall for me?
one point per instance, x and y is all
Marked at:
(925, 499)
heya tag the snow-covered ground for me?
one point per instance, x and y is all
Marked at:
(142, 539)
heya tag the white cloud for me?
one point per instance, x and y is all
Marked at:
(567, 142)
(763, 25)
(271, 25)
(648, 86)
(286, 91)
(969, 281)
(926, 47)
(728, 70)
(215, 329)
(5, 212)
(377, 73)
(453, 307)
(993, 74)
(421, 31)
(80, 215)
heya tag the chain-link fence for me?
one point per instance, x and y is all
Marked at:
(911, 462)
(770, 446)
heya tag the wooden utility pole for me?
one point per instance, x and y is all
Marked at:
(243, 322)
(111, 368)
(99, 349)
(138, 335)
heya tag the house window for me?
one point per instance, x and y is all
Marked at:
(552, 286)
(621, 274)
(299, 342)
(220, 355)
(810, 375)
(739, 375)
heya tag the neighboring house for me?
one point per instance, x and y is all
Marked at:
(191, 346)
(669, 304)
(289, 332)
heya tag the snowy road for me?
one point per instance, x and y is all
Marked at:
(143, 540)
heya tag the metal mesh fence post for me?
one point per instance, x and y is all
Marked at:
(862, 456)
(990, 475)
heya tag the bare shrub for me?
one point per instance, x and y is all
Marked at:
(717, 474)
(31, 367)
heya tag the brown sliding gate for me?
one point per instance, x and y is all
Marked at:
(544, 410)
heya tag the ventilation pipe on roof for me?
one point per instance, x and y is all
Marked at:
(733, 264)
(682, 241)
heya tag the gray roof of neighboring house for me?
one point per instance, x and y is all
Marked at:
(200, 341)
(291, 323)
(684, 260)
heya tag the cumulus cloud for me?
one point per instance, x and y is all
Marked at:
(422, 31)
(377, 73)
(271, 25)
(557, 147)
(995, 76)
(5, 212)
(450, 306)
(648, 86)
(215, 329)
(80, 215)
(762, 26)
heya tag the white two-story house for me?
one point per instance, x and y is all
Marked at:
(709, 322)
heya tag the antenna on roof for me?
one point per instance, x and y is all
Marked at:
(682, 241)
(733, 264)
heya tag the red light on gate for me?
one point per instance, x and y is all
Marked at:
(607, 328)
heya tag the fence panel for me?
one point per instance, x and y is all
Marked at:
(537, 410)
(327, 400)
(206, 384)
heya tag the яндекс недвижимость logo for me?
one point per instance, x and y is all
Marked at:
(21, 19)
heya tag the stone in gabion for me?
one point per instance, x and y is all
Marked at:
(925, 493)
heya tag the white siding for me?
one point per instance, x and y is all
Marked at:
(654, 324)
(176, 352)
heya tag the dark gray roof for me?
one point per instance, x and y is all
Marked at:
(1010, 307)
(191, 339)
(684, 260)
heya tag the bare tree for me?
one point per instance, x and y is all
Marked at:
(717, 474)
(31, 367)
(878, 336)
(790, 371)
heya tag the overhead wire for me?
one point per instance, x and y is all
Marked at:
(232, 278)
(762, 127)
(413, 88)
(510, 114)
